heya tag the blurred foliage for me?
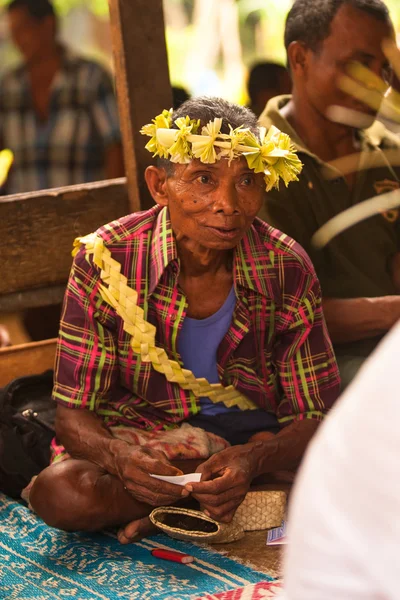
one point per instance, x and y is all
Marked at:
(261, 28)
(274, 10)
(98, 7)
(250, 11)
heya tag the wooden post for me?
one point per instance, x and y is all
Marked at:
(143, 85)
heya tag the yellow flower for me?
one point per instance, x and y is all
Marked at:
(162, 121)
(256, 159)
(180, 151)
(275, 157)
(6, 161)
(204, 148)
(272, 154)
(283, 159)
(235, 142)
(271, 179)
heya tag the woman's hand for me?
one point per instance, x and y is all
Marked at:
(225, 481)
(133, 465)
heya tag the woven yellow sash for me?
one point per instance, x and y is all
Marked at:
(116, 292)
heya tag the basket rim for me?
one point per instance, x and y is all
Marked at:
(184, 511)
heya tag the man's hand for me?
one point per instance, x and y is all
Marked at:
(133, 465)
(225, 481)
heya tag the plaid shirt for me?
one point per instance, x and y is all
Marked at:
(277, 351)
(68, 148)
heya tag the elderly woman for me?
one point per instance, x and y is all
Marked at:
(190, 331)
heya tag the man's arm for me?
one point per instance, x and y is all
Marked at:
(85, 437)
(227, 476)
(353, 319)
(86, 377)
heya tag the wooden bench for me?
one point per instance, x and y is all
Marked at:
(26, 359)
(37, 231)
(36, 235)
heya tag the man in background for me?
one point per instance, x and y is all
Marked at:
(58, 112)
(359, 269)
(266, 80)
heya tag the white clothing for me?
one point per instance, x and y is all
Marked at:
(344, 519)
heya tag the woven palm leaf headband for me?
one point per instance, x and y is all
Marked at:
(272, 153)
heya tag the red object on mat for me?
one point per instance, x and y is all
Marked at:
(178, 557)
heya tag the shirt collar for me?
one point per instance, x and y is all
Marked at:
(251, 257)
(272, 116)
(252, 261)
(162, 250)
(69, 58)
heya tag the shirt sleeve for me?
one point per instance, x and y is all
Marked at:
(86, 368)
(304, 356)
(104, 109)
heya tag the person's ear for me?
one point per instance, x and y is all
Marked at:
(156, 179)
(298, 59)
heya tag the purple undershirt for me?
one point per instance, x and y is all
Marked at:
(198, 345)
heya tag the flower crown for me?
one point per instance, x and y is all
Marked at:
(272, 154)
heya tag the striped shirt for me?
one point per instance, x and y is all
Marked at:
(277, 350)
(69, 148)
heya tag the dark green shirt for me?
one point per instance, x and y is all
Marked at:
(356, 263)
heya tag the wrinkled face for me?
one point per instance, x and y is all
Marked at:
(355, 37)
(214, 205)
(30, 35)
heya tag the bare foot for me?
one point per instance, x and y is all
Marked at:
(135, 530)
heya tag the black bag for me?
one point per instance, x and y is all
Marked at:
(27, 415)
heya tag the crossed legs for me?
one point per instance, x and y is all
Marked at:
(76, 495)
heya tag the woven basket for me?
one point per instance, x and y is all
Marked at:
(259, 510)
(194, 526)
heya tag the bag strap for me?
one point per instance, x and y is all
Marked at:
(116, 292)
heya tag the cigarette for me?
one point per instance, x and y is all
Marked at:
(173, 556)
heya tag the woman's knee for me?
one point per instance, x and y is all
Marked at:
(62, 494)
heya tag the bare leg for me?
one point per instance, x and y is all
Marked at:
(76, 495)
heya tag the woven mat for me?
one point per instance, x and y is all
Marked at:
(252, 551)
(45, 564)
(259, 591)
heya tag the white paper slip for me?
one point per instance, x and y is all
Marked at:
(180, 479)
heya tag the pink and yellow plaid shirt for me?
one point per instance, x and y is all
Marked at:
(277, 350)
